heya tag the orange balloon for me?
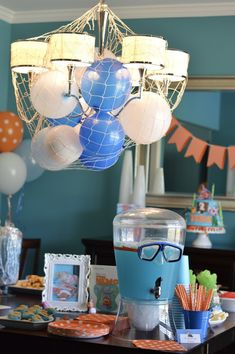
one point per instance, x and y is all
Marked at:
(11, 131)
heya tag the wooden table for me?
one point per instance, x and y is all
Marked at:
(221, 341)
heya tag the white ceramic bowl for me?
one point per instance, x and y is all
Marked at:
(228, 301)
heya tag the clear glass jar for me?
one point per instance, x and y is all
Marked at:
(148, 244)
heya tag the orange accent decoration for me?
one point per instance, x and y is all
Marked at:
(11, 131)
(102, 280)
(125, 249)
(200, 218)
(228, 295)
(231, 156)
(217, 155)
(196, 149)
(166, 345)
(174, 123)
(180, 138)
(206, 229)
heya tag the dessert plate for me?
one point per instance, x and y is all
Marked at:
(25, 290)
(78, 329)
(23, 324)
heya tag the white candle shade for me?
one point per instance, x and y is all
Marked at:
(28, 56)
(158, 185)
(126, 182)
(146, 119)
(144, 51)
(176, 66)
(48, 95)
(72, 49)
(139, 188)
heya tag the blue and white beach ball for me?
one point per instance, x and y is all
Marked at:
(106, 85)
(97, 162)
(102, 134)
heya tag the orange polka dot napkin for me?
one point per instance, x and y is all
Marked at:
(167, 345)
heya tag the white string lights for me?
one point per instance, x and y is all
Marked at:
(84, 105)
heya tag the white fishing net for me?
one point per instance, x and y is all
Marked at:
(73, 111)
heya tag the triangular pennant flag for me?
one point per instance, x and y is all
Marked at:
(180, 138)
(217, 155)
(174, 123)
(196, 149)
(231, 156)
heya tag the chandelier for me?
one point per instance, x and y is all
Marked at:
(92, 88)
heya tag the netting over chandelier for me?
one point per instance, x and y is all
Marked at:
(85, 102)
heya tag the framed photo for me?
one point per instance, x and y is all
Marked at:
(103, 286)
(66, 281)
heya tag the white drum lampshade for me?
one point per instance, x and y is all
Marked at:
(146, 120)
(72, 49)
(48, 95)
(176, 68)
(145, 52)
(28, 56)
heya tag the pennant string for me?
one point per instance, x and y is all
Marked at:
(197, 147)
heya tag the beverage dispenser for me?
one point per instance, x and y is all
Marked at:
(148, 244)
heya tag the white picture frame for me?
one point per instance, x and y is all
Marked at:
(66, 281)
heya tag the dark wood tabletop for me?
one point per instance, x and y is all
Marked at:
(221, 340)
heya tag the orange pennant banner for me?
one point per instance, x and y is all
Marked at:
(217, 155)
(180, 138)
(196, 149)
(174, 123)
(231, 156)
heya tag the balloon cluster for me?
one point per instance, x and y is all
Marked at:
(95, 138)
(92, 129)
(17, 165)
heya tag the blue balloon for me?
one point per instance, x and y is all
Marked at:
(71, 119)
(106, 85)
(102, 134)
(97, 162)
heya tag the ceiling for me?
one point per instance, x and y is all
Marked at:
(23, 11)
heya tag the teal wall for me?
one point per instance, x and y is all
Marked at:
(5, 30)
(200, 108)
(5, 39)
(62, 207)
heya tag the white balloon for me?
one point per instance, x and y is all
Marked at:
(41, 154)
(12, 173)
(146, 120)
(33, 169)
(48, 94)
(63, 144)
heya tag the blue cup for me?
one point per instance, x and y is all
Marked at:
(197, 320)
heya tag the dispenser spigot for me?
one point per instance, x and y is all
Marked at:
(157, 288)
